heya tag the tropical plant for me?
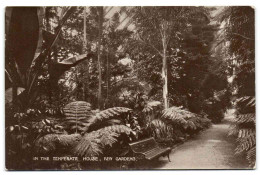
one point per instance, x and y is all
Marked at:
(56, 142)
(244, 128)
(108, 117)
(175, 124)
(239, 32)
(27, 52)
(183, 118)
(77, 114)
(99, 132)
(94, 143)
(24, 71)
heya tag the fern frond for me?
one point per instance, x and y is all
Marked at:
(174, 115)
(178, 115)
(77, 108)
(233, 130)
(251, 156)
(150, 106)
(93, 143)
(119, 129)
(160, 129)
(102, 118)
(53, 142)
(246, 140)
(246, 104)
(246, 118)
(244, 128)
(247, 101)
(192, 124)
(185, 119)
(110, 112)
(77, 115)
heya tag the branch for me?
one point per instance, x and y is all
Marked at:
(58, 28)
(223, 40)
(243, 36)
(234, 33)
(150, 45)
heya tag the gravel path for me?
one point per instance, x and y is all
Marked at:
(211, 149)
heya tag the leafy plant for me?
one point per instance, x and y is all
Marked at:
(56, 142)
(26, 57)
(77, 114)
(175, 124)
(94, 143)
(244, 128)
(106, 117)
(239, 32)
(97, 131)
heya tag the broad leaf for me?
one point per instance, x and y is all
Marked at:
(57, 69)
(9, 94)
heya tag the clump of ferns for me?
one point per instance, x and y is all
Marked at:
(101, 132)
(176, 124)
(244, 128)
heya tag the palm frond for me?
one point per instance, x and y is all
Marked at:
(93, 143)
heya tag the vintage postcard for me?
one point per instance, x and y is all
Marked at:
(130, 88)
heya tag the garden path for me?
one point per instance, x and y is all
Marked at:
(211, 149)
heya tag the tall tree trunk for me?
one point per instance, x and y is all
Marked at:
(100, 24)
(49, 29)
(165, 79)
(108, 75)
(84, 50)
(164, 67)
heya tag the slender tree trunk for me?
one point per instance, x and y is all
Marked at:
(164, 67)
(165, 79)
(100, 9)
(49, 29)
(84, 50)
(108, 74)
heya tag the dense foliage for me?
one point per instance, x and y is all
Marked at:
(239, 31)
(89, 82)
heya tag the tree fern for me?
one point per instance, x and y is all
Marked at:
(251, 156)
(246, 118)
(93, 143)
(150, 106)
(178, 116)
(160, 129)
(244, 128)
(246, 139)
(185, 119)
(55, 142)
(174, 115)
(77, 115)
(104, 117)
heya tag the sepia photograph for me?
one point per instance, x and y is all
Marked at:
(129, 88)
